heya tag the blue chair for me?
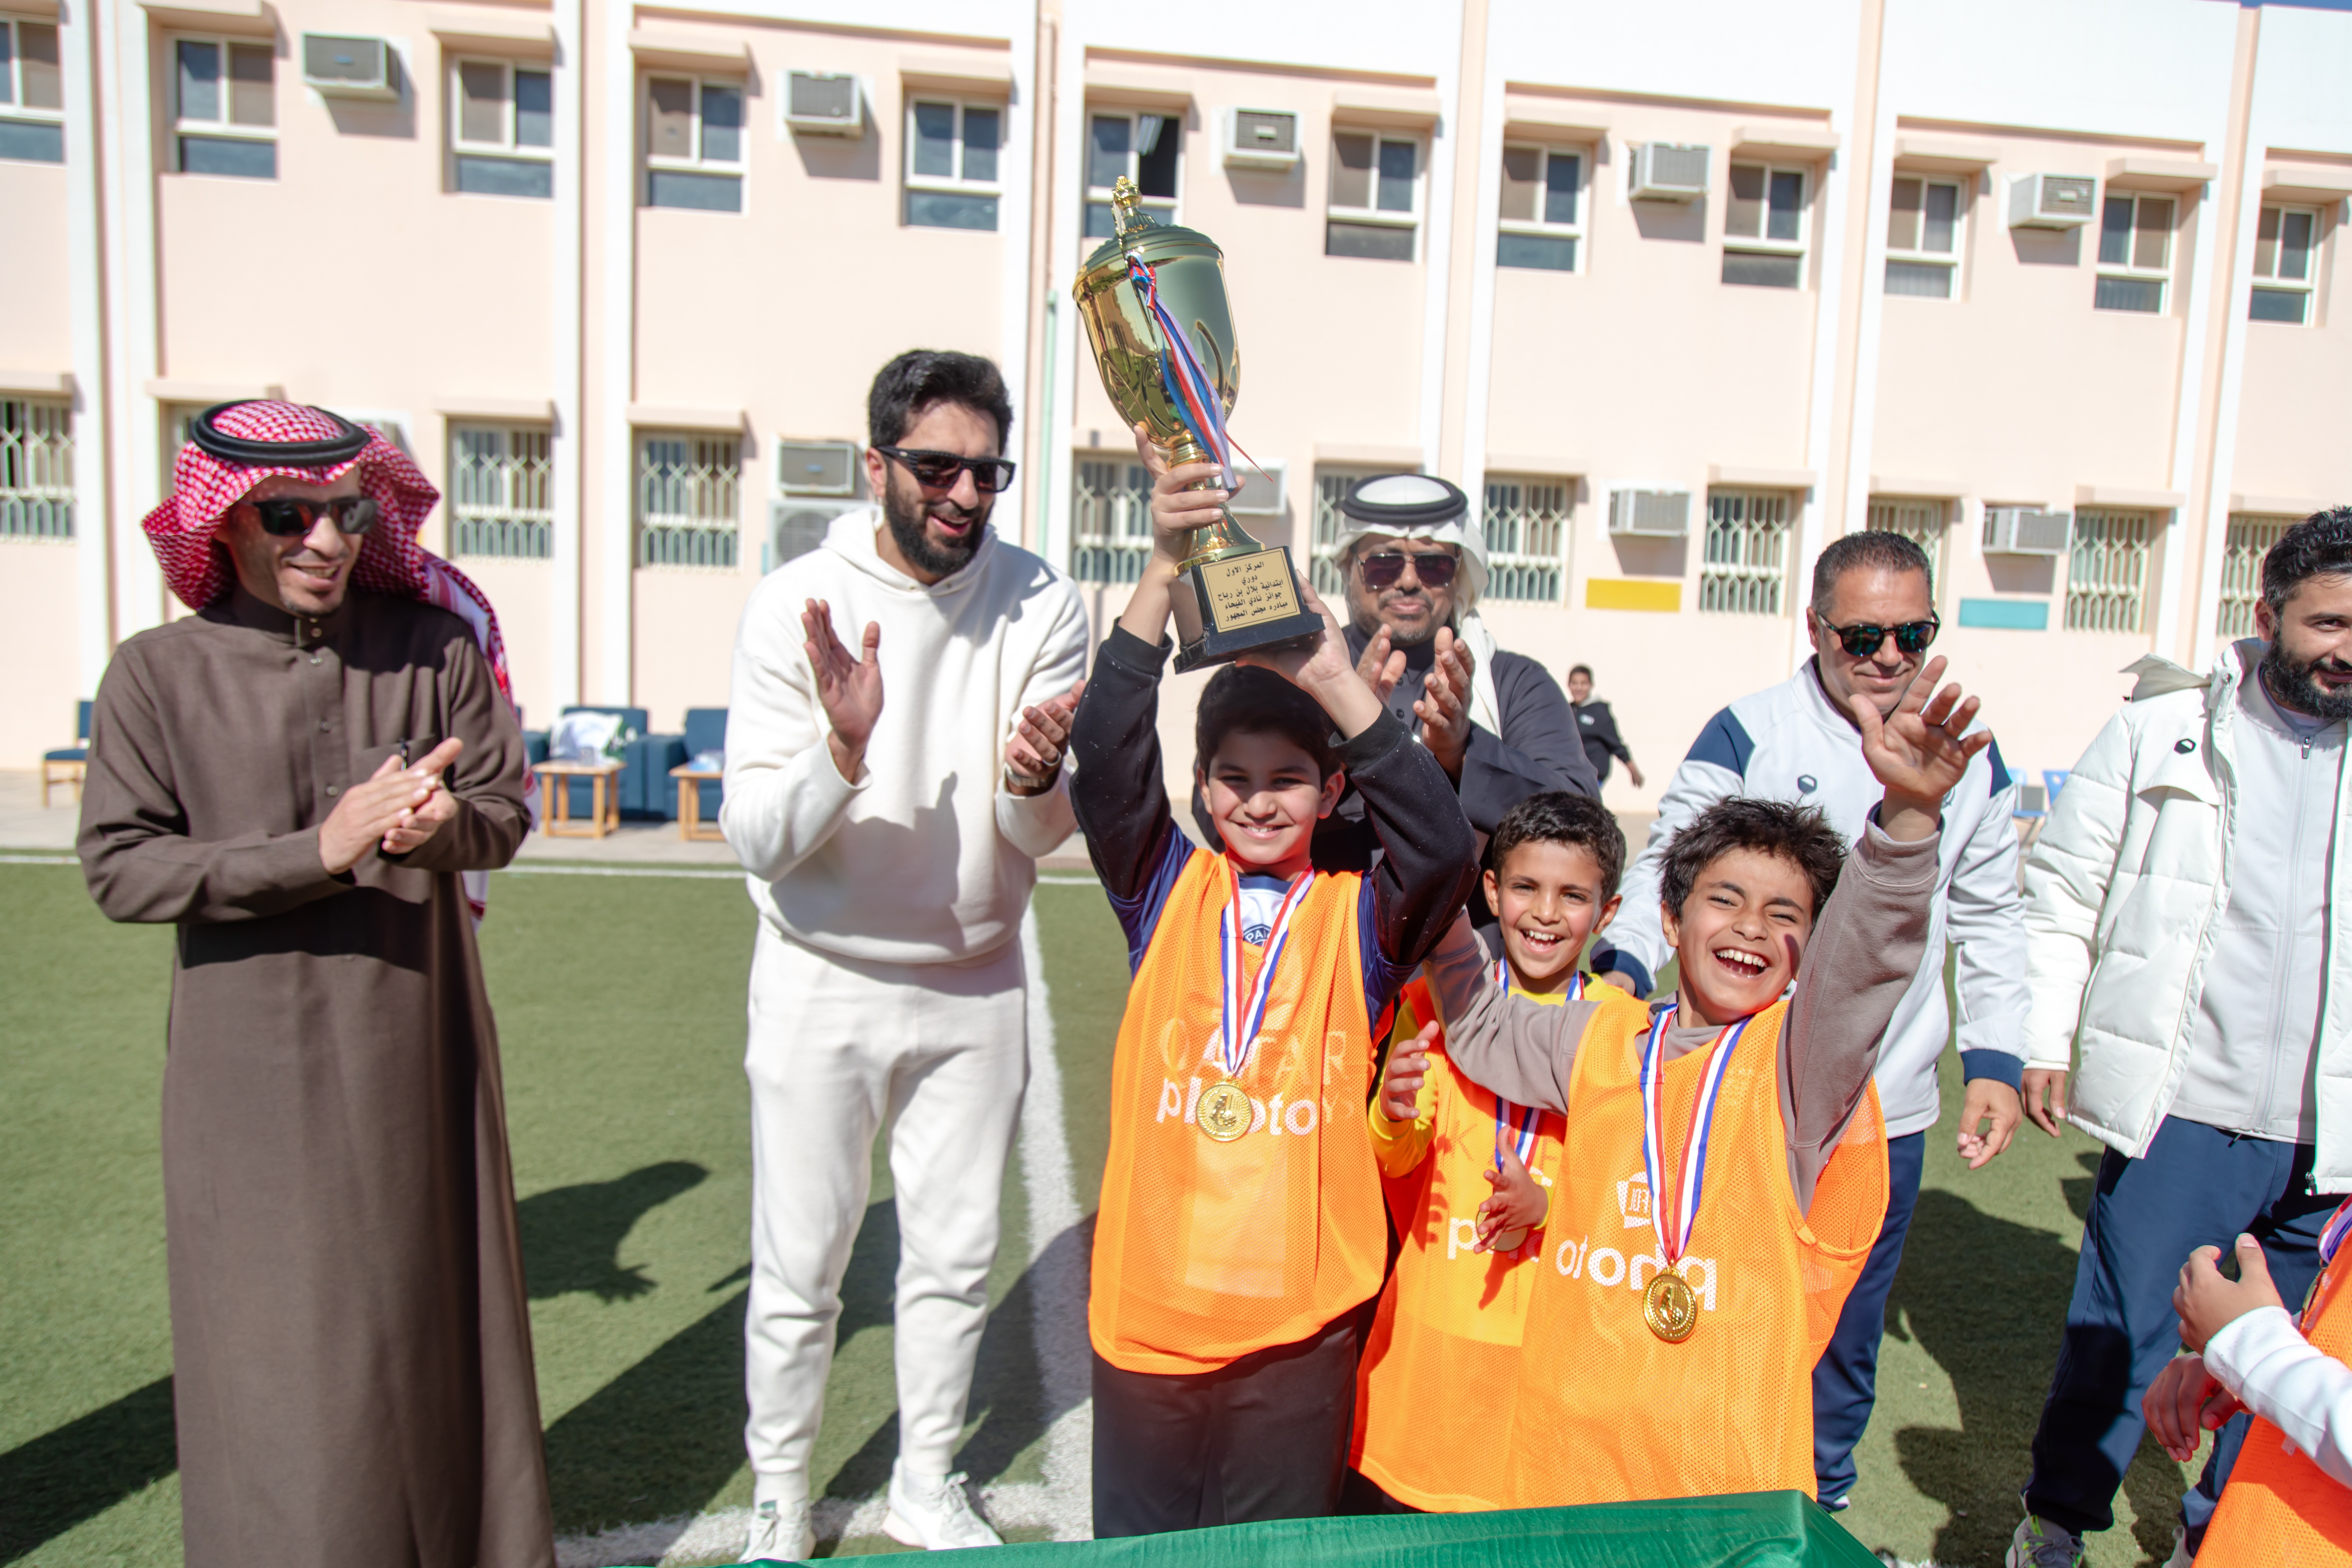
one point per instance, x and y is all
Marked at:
(705, 731)
(67, 764)
(2032, 810)
(2053, 780)
(636, 762)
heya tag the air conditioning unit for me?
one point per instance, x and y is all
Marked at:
(2052, 200)
(350, 67)
(816, 468)
(1263, 494)
(796, 526)
(2024, 531)
(1650, 514)
(1261, 139)
(1669, 171)
(821, 105)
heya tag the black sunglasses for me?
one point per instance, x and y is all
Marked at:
(1861, 641)
(1382, 570)
(937, 470)
(288, 516)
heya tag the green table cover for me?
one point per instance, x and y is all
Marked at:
(1754, 1530)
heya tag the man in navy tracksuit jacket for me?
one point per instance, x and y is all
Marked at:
(1797, 741)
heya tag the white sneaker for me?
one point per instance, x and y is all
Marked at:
(781, 1533)
(933, 1513)
(2181, 1555)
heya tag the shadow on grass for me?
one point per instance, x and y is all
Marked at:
(571, 1236)
(667, 1435)
(81, 1469)
(1986, 1299)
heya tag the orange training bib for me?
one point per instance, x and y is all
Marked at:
(1608, 1410)
(2278, 1508)
(1206, 1251)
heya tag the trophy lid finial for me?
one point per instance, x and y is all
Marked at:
(1128, 215)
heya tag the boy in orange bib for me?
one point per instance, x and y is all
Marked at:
(2289, 1499)
(1241, 1225)
(1725, 1169)
(1468, 1174)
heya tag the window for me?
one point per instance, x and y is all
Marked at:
(32, 92)
(1922, 238)
(2107, 572)
(2134, 256)
(224, 108)
(1112, 527)
(1921, 521)
(1332, 488)
(2282, 265)
(694, 143)
(36, 493)
(685, 499)
(1526, 527)
(1747, 557)
(1541, 221)
(503, 128)
(1144, 148)
(1375, 196)
(2250, 539)
(501, 491)
(952, 156)
(1764, 227)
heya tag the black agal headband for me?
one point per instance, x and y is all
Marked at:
(248, 453)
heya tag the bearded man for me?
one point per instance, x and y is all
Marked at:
(2185, 957)
(1413, 564)
(890, 847)
(301, 776)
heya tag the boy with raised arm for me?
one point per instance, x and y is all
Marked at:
(1727, 1162)
(1241, 1225)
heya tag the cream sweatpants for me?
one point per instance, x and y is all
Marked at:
(838, 1046)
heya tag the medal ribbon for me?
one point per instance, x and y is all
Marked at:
(2339, 1226)
(1190, 389)
(1238, 1020)
(1515, 1126)
(1675, 1229)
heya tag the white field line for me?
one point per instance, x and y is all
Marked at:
(14, 860)
(1063, 1503)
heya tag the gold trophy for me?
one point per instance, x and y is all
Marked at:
(1154, 297)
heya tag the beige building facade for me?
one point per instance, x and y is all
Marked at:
(1681, 293)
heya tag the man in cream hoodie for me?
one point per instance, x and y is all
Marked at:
(890, 843)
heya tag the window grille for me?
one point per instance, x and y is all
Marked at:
(36, 490)
(1332, 488)
(2106, 573)
(1111, 522)
(1921, 521)
(1526, 526)
(2250, 539)
(1746, 566)
(686, 507)
(501, 492)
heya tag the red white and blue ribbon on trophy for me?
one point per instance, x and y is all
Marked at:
(1188, 382)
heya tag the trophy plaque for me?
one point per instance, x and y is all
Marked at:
(1153, 298)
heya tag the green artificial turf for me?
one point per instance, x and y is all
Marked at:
(620, 1003)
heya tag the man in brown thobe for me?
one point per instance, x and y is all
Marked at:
(298, 777)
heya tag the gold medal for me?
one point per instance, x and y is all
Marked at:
(1510, 1241)
(1223, 1112)
(1669, 1308)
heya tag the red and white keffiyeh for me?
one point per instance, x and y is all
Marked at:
(185, 533)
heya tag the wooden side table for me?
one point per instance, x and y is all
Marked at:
(555, 807)
(690, 780)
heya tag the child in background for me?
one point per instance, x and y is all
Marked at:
(1725, 1168)
(2289, 1499)
(1467, 1176)
(1241, 1226)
